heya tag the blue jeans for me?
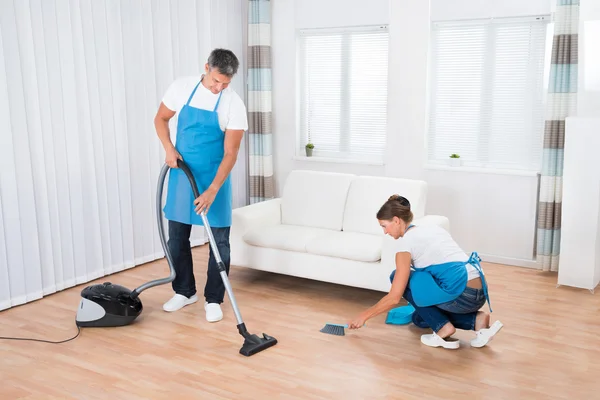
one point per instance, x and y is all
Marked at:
(181, 251)
(461, 312)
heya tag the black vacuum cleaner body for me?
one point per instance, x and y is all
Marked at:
(109, 305)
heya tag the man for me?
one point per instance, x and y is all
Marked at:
(211, 123)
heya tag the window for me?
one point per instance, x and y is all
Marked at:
(343, 83)
(487, 93)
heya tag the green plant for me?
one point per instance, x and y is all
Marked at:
(454, 155)
(310, 146)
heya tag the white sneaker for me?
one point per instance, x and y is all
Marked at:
(484, 336)
(179, 301)
(434, 340)
(213, 312)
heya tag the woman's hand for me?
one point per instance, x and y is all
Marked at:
(357, 322)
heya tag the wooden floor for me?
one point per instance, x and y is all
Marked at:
(548, 349)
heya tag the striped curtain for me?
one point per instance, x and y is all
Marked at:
(562, 102)
(259, 101)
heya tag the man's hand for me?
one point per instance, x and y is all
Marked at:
(171, 157)
(205, 200)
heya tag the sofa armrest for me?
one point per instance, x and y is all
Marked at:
(265, 213)
(439, 220)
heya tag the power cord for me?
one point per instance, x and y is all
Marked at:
(41, 340)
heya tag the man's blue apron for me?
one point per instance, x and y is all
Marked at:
(200, 142)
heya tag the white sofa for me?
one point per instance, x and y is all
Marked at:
(324, 227)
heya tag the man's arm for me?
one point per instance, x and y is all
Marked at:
(233, 140)
(161, 123)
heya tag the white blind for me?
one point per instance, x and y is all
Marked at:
(487, 93)
(343, 92)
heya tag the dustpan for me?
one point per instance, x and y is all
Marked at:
(400, 315)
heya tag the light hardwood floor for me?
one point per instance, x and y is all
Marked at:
(548, 349)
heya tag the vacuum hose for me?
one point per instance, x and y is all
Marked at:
(159, 218)
(252, 343)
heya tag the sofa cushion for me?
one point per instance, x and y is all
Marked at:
(368, 193)
(283, 237)
(348, 245)
(315, 199)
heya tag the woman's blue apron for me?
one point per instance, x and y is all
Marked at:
(442, 283)
(200, 141)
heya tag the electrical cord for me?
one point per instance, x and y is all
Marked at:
(42, 340)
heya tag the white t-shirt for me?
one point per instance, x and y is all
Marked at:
(430, 245)
(231, 111)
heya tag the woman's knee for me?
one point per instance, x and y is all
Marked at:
(418, 321)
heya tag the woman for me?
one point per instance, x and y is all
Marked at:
(446, 287)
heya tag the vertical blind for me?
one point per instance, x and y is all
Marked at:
(80, 83)
(487, 92)
(343, 83)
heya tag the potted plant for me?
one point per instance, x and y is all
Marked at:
(309, 149)
(455, 160)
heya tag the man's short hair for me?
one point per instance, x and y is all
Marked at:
(225, 61)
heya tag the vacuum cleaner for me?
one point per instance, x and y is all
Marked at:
(110, 305)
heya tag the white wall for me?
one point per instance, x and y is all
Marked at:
(465, 9)
(493, 214)
(588, 101)
(580, 230)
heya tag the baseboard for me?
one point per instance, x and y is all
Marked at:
(5, 305)
(18, 301)
(92, 276)
(516, 262)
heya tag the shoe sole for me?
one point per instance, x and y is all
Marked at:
(448, 345)
(493, 331)
(187, 303)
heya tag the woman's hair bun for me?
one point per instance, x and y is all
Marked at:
(402, 200)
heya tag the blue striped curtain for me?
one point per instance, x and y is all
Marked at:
(259, 101)
(562, 102)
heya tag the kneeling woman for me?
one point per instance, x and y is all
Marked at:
(446, 287)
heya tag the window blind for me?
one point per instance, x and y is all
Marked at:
(487, 93)
(343, 83)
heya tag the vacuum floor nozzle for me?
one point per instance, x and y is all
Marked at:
(254, 344)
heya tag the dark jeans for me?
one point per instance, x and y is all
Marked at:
(461, 312)
(180, 248)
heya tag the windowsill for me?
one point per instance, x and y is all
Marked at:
(337, 160)
(478, 170)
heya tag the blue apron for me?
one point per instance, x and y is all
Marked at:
(200, 141)
(441, 283)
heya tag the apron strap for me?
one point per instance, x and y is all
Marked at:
(474, 261)
(192, 95)
(218, 100)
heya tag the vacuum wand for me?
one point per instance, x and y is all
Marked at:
(213, 243)
(252, 343)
